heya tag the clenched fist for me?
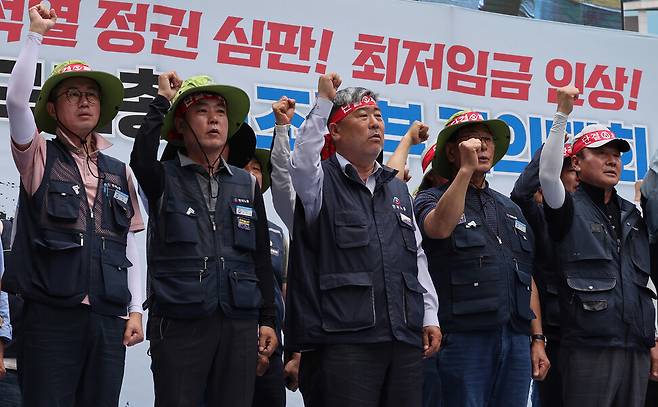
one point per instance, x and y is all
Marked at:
(328, 85)
(284, 110)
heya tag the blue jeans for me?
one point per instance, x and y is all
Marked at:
(485, 368)
(10, 392)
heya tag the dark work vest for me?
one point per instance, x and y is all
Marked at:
(195, 264)
(483, 280)
(63, 250)
(604, 297)
(352, 276)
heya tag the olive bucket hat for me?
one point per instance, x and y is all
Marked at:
(498, 128)
(237, 104)
(110, 86)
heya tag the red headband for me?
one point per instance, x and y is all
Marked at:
(344, 110)
(590, 138)
(428, 157)
(568, 150)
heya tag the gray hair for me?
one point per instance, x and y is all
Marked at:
(350, 95)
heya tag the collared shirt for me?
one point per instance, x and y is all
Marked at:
(209, 185)
(307, 178)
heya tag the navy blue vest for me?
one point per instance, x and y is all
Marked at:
(196, 264)
(483, 280)
(352, 276)
(604, 297)
(63, 250)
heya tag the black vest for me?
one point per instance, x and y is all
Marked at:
(63, 250)
(604, 298)
(353, 272)
(483, 280)
(196, 264)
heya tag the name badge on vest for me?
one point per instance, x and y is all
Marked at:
(244, 211)
(121, 197)
(406, 220)
(244, 224)
(520, 226)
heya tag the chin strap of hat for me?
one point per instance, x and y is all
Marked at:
(211, 165)
(83, 142)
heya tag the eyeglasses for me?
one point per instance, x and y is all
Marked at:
(74, 96)
(485, 139)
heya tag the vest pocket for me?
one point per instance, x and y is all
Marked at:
(180, 286)
(121, 212)
(407, 229)
(474, 289)
(245, 292)
(523, 292)
(592, 308)
(467, 235)
(347, 301)
(63, 201)
(181, 225)
(58, 267)
(114, 268)
(413, 304)
(244, 226)
(351, 230)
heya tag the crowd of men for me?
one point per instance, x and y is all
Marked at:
(551, 284)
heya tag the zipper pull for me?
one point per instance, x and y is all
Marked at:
(103, 241)
(214, 226)
(516, 264)
(500, 242)
(82, 239)
(618, 246)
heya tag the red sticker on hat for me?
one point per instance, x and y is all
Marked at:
(76, 68)
(592, 137)
(466, 117)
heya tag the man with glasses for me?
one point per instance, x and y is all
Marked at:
(74, 257)
(480, 250)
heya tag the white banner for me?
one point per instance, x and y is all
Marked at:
(425, 60)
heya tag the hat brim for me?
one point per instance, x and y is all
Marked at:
(237, 105)
(111, 89)
(501, 137)
(621, 144)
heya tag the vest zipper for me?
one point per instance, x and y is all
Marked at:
(82, 239)
(205, 267)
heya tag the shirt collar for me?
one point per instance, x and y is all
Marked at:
(100, 142)
(186, 161)
(597, 194)
(342, 161)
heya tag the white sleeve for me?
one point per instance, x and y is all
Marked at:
(283, 194)
(305, 169)
(430, 298)
(135, 280)
(21, 121)
(550, 163)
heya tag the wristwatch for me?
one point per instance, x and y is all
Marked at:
(538, 337)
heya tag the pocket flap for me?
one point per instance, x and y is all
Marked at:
(474, 275)
(413, 284)
(523, 277)
(350, 218)
(184, 208)
(116, 259)
(335, 280)
(64, 188)
(57, 244)
(591, 285)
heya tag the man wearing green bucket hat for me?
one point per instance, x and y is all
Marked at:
(211, 295)
(74, 257)
(480, 254)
